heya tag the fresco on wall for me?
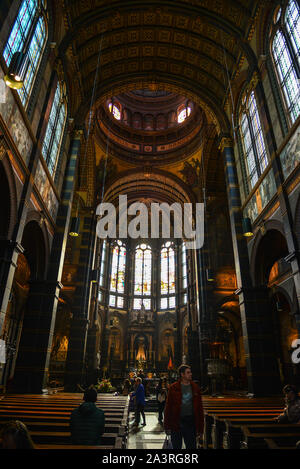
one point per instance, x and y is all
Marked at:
(290, 156)
(262, 197)
(47, 193)
(191, 172)
(110, 171)
(12, 117)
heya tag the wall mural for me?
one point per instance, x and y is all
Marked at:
(47, 193)
(262, 197)
(13, 119)
(111, 171)
(191, 172)
(290, 156)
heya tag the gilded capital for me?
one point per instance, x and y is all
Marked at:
(225, 142)
(78, 134)
(2, 148)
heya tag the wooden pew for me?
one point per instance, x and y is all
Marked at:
(47, 417)
(214, 425)
(255, 436)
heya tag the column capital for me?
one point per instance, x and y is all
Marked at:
(77, 134)
(225, 141)
(293, 256)
(11, 245)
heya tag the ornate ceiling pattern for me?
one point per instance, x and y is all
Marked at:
(189, 48)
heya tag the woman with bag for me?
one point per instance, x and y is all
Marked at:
(161, 397)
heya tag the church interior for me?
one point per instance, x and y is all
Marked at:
(164, 102)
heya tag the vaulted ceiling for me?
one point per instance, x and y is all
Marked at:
(187, 44)
(190, 48)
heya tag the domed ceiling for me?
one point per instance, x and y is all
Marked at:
(149, 124)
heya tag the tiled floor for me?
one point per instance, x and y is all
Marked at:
(151, 436)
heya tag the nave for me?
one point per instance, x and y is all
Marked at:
(230, 423)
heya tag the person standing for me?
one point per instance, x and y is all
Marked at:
(291, 413)
(161, 397)
(87, 421)
(139, 395)
(184, 418)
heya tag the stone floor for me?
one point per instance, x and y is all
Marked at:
(151, 436)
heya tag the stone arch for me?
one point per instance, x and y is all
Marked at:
(265, 244)
(36, 248)
(8, 197)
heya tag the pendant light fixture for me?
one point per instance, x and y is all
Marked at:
(247, 227)
(74, 229)
(17, 70)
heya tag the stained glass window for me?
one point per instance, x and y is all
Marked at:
(183, 114)
(117, 277)
(115, 111)
(28, 27)
(54, 132)
(142, 277)
(184, 271)
(167, 276)
(103, 262)
(255, 153)
(286, 54)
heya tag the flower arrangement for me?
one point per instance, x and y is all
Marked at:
(105, 386)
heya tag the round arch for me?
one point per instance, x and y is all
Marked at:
(273, 244)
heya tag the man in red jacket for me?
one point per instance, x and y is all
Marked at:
(184, 411)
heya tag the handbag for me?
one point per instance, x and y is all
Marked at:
(167, 443)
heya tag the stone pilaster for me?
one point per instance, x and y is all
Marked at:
(262, 368)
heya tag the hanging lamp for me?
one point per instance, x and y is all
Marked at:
(17, 70)
(247, 227)
(74, 229)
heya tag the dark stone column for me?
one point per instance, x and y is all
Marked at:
(9, 251)
(76, 363)
(203, 314)
(262, 368)
(285, 208)
(39, 320)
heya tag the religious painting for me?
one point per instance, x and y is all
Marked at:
(191, 172)
(13, 119)
(46, 191)
(290, 156)
(110, 171)
(262, 197)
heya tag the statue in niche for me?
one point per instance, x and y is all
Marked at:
(150, 316)
(134, 315)
(141, 353)
(142, 313)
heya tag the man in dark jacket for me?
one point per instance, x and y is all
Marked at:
(139, 395)
(87, 421)
(184, 411)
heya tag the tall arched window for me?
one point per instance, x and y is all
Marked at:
(102, 270)
(117, 277)
(286, 55)
(28, 35)
(55, 129)
(255, 153)
(183, 279)
(167, 276)
(142, 277)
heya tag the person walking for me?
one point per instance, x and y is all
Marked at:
(139, 395)
(161, 397)
(184, 418)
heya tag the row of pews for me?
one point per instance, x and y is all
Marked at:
(47, 418)
(241, 423)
